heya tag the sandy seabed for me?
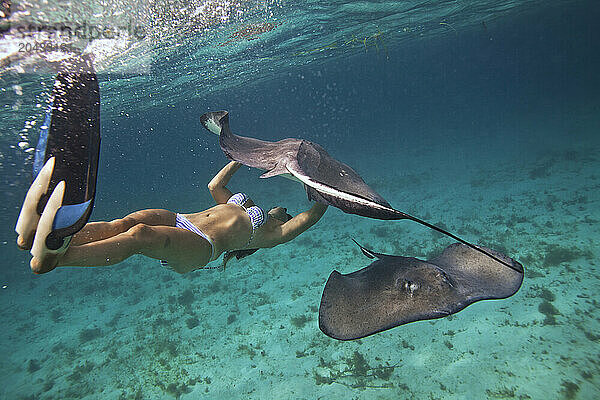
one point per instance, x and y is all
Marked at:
(137, 331)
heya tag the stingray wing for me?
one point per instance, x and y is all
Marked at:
(483, 276)
(396, 290)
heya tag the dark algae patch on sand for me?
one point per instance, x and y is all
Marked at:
(549, 311)
(557, 254)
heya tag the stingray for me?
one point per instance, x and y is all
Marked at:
(396, 290)
(325, 179)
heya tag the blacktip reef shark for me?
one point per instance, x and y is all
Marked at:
(325, 179)
(60, 200)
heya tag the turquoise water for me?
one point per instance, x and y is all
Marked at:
(482, 117)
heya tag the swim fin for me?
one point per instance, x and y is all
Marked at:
(60, 200)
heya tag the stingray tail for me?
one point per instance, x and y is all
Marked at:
(402, 215)
(365, 251)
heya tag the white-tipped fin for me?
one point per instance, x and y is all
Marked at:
(212, 126)
(44, 227)
(28, 217)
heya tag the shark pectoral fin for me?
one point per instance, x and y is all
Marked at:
(28, 217)
(279, 169)
(44, 227)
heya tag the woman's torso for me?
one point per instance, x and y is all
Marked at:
(229, 227)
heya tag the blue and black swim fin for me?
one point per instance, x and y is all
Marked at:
(60, 200)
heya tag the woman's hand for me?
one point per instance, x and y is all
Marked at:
(234, 164)
(319, 208)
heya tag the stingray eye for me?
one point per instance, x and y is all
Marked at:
(408, 286)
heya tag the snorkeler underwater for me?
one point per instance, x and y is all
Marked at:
(452, 148)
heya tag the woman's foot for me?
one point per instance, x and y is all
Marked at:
(49, 258)
(41, 266)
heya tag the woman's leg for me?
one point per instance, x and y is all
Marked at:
(95, 231)
(184, 250)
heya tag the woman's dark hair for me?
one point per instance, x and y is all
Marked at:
(288, 216)
(238, 254)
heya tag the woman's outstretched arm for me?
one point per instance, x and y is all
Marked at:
(301, 222)
(216, 186)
